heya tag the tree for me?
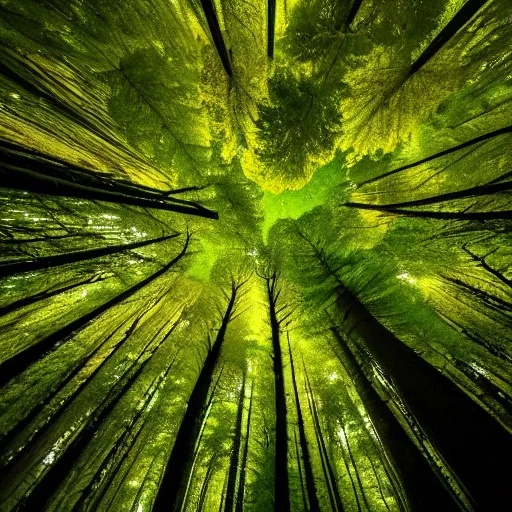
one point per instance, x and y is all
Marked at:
(172, 487)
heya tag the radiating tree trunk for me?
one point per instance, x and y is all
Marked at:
(301, 478)
(423, 489)
(314, 506)
(481, 190)
(465, 13)
(197, 447)
(487, 267)
(172, 486)
(213, 24)
(47, 486)
(356, 4)
(235, 451)
(8, 268)
(243, 464)
(206, 483)
(329, 476)
(47, 294)
(92, 495)
(467, 144)
(21, 170)
(281, 482)
(449, 417)
(271, 27)
(423, 214)
(36, 434)
(22, 360)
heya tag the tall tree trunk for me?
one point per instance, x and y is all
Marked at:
(172, 486)
(47, 294)
(235, 451)
(218, 40)
(63, 465)
(487, 267)
(243, 465)
(425, 492)
(271, 27)
(481, 190)
(40, 175)
(465, 13)
(22, 360)
(281, 482)
(314, 506)
(330, 477)
(356, 4)
(197, 446)
(468, 143)
(206, 483)
(301, 478)
(449, 417)
(423, 214)
(8, 268)
(92, 495)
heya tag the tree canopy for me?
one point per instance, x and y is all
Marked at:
(255, 256)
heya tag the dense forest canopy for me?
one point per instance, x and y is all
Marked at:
(255, 256)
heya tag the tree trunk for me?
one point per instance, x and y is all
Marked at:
(243, 465)
(218, 40)
(271, 27)
(172, 486)
(22, 171)
(330, 477)
(206, 483)
(8, 268)
(469, 143)
(481, 190)
(47, 294)
(92, 495)
(356, 4)
(22, 360)
(465, 13)
(281, 482)
(235, 451)
(424, 490)
(448, 416)
(64, 464)
(301, 478)
(422, 214)
(314, 506)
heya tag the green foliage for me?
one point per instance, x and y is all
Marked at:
(339, 168)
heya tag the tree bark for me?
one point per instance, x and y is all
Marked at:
(314, 505)
(449, 417)
(281, 482)
(469, 143)
(64, 464)
(46, 294)
(171, 491)
(465, 13)
(271, 27)
(235, 451)
(481, 190)
(422, 214)
(22, 360)
(218, 40)
(243, 465)
(425, 492)
(330, 477)
(22, 170)
(8, 268)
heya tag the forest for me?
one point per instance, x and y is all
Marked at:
(255, 255)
